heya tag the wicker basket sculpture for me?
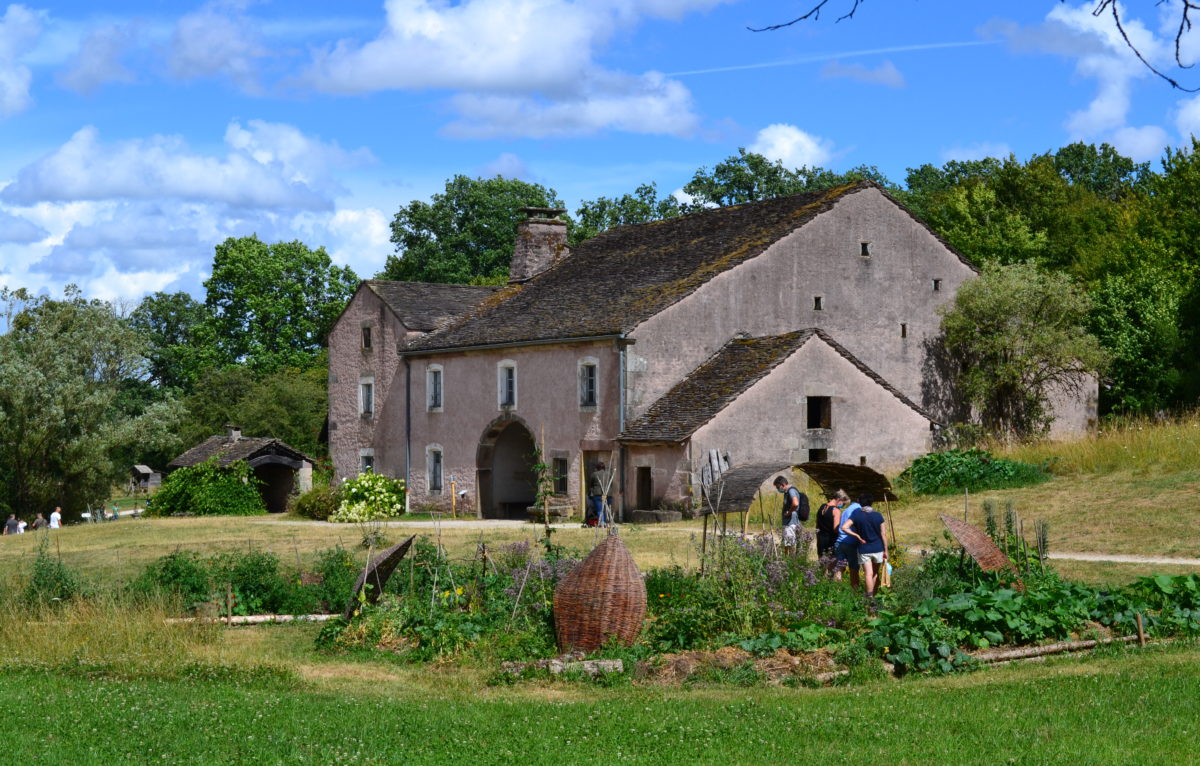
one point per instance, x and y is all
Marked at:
(602, 597)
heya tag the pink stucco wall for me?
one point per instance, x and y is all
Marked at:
(349, 431)
(768, 422)
(547, 404)
(864, 299)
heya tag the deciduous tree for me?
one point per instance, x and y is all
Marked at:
(465, 234)
(1017, 333)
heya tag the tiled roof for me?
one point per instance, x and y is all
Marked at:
(725, 376)
(614, 281)
(227, 451)
(426, 305)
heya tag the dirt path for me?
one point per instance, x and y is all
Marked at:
(1121, 558)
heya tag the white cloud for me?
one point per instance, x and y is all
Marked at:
(976, 151)
(268, 165)
(19, 30)
(98, 60)
(1140, 144)
(518, 67)
(20, 230)
(792, 146)
(1187, 119)
(508, 165)
(217, 40)
(648, 104)
(885, 74)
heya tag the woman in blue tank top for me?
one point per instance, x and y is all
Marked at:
(846, 546)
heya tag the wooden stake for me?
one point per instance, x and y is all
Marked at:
(228, 603)
(1141, 629)
(704, 544)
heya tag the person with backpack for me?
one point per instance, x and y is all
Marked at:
(795, 512)
(828, 516)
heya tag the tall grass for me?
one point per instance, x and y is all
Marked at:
(1138, 444)
(102, 634)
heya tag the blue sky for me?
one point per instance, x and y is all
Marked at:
(134, 136)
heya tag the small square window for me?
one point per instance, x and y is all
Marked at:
(865, 249)
(366, 463)
(366, 338)
(560, 468)
(820, 412)
(817, 303)
(862, 459)
(937, 285)
(818, 455)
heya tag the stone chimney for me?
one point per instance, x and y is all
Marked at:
(541, 243)
(232, 432)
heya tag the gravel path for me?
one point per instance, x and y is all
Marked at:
(1121, 558)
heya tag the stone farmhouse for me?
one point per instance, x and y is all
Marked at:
(797, 329)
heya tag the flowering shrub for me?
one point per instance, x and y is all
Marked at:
(369, 497)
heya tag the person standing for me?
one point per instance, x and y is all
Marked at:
(846, 545)
(828, 516)
(21, 526)
(795, 512)
(56, 518)
(11, 527)
(39, 522)
(868, 528)
(601, 484)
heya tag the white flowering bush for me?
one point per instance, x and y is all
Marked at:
(369, 497)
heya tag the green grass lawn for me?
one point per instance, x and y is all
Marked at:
(1134, 707)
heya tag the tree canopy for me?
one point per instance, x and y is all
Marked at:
(62, 424)
(466, 233)
(270, 306)
(1019, 332)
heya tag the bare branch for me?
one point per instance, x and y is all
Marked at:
(1102, 7)
(813, 13)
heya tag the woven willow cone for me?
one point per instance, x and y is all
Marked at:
(601, 598)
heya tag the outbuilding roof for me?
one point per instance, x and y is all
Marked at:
(616, 280)
(228, 450)
(725, 376)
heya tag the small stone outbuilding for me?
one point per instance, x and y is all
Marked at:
(280, 468)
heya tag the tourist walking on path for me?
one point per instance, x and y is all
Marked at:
(56, 518)
(828, 516)
(867, 526)
(795, 512)
(846, 546)
(11, 527)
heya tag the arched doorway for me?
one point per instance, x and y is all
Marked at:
(505, 480)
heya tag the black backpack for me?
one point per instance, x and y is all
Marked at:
(801, 510)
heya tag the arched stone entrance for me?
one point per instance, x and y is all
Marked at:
(505, 480)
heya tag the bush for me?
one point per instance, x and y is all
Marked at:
(338, 571)
(942, 473)
(319, 503)
(182, 574)
(258, 586)
(52, 580)
(208, 490)
(369, 497)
